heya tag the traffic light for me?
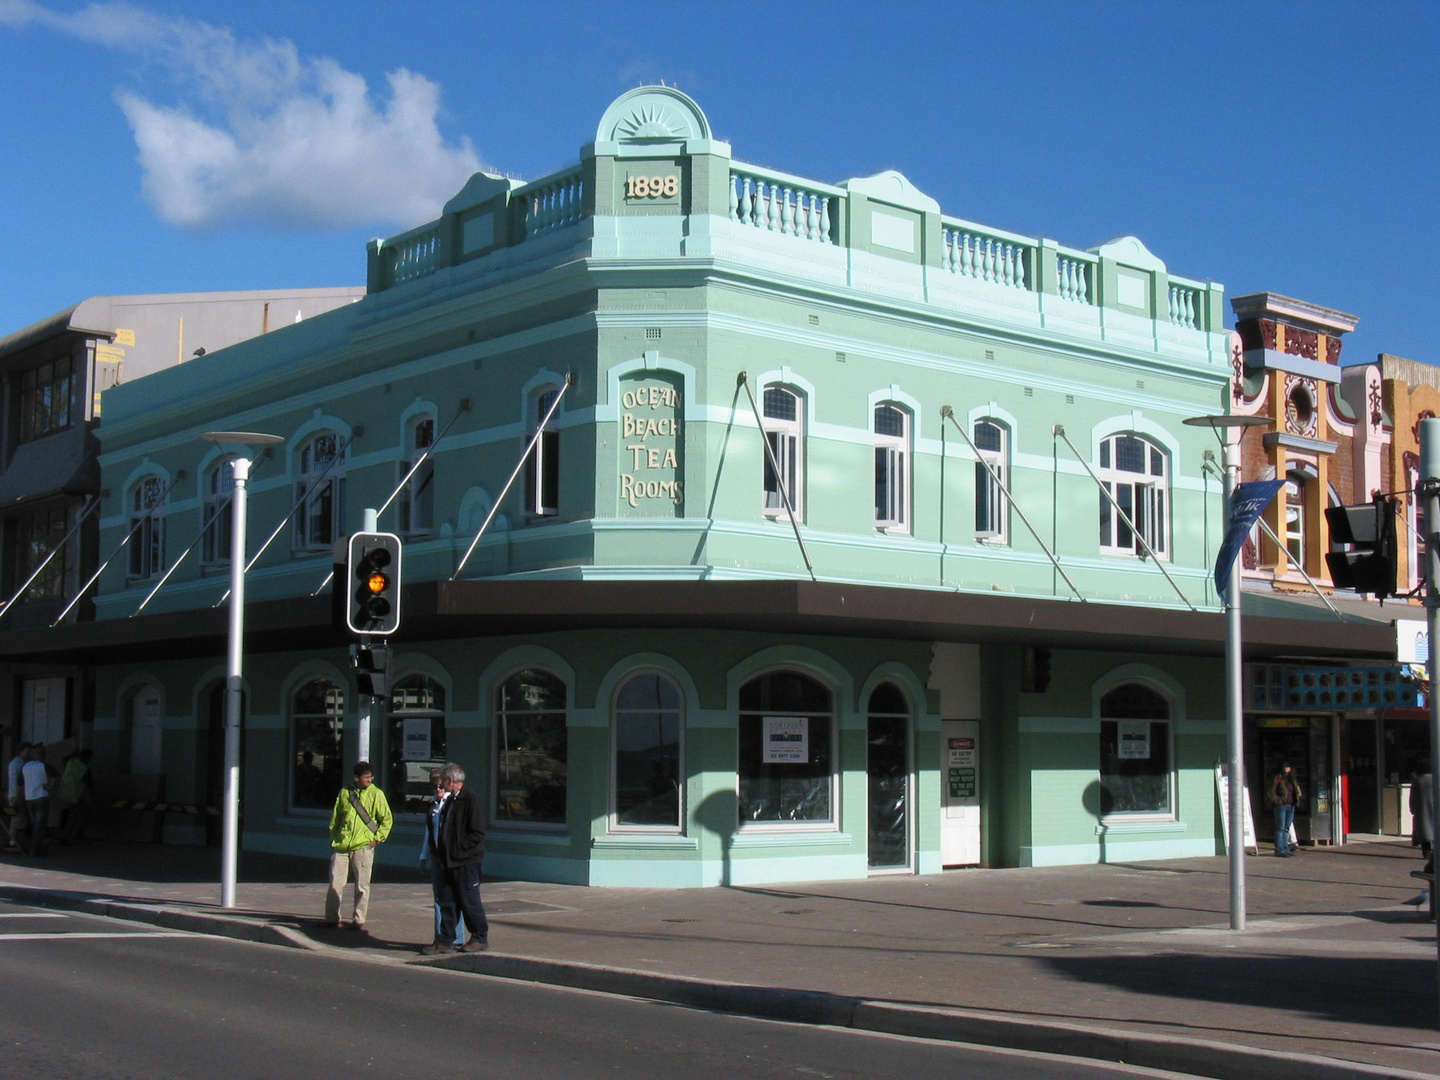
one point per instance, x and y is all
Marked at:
(1370, 528)
(374, 575)
(372, 668)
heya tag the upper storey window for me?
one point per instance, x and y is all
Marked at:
(147, 528)
(784, 418)
(219, 487)
(319, 493)
(543, 470)
(892, 467)
(417, 499)
(45, 393)
(1137, 474)
(992, 518)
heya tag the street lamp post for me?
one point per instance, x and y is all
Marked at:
(1234, 666)
(230, 807)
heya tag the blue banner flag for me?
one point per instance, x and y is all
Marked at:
(1246, 506)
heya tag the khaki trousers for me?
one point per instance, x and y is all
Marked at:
(344, 864)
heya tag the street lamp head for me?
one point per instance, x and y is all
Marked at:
(241, 438)
(1228, 420)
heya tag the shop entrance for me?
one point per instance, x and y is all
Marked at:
(888, 768)
(1303, 741)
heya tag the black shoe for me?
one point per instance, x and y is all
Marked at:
(435, 948)
(474, 945)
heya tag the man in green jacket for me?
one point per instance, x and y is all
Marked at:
(360, 821)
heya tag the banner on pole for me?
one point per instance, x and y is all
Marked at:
(1246, 505)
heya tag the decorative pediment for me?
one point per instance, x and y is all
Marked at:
(651, 115)
(1130, 251)
(892, 187)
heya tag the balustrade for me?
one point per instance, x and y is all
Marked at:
(1075, 279)
(412, 255)
(1184, 306)
(985, 258)
(553, 202)
(783, 207)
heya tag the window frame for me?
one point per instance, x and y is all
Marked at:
(832, 823)
(419, 490)
(394, 740)
(907, 717)
(786, 436)
(146, 528)
(1147, 489)
(307, 471)
(1167, 722)
(327, 776)
(500, 743)
(38, 526)
(997, 514)
(542, 469)
(615, 824)
(41, 400)
(893, 467)
(215, 547)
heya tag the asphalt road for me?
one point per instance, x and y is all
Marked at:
(103, 999)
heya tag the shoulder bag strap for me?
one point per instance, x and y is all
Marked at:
(364, 816)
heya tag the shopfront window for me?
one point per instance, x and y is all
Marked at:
(1136, 758)
(531, 749)
(317, 727)
(416, 742)
(786, 760)
(649, 723)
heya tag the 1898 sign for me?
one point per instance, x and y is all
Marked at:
(652, 187)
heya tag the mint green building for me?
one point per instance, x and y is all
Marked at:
(810, 572)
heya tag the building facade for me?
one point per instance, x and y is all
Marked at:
(844, 536)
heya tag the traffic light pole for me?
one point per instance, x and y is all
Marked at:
(1430, 493)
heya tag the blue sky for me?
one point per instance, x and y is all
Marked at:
(171, 147)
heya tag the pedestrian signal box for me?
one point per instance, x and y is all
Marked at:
(1370, 565)
(373, 570)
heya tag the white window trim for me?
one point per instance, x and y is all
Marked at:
(1131, 817)
(999, 460)
(614, 825)
(1145, 485)
(539, 457)
(897, 451)
(216, 531)
(754, 828)
(411, 494)
(792, 431)
(143, 538)
(301, 541)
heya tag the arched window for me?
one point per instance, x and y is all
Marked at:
(417, 497)
(887, 765)
(787, 756)
(649, 773)
(531, 749)
(215, 509)
(416, 742)
(542, 471)
(1137, 776)
(784, 421)
(1297, 489)
(147, 525)
(320, 515)
(1136, 472)
(992, 512)
(892, 467)
(317, 728)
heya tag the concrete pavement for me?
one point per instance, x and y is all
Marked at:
(1335, 975)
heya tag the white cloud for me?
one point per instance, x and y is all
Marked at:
(262, 135)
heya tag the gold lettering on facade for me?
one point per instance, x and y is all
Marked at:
(637, 430)
(652, 187)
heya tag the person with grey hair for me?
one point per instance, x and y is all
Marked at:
(458, 851)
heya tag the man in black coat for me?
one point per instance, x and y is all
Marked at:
(460, 849)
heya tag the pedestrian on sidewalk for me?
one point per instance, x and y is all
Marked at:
(35, 774)
(359, 823)
(430, 844)
(1285, 795)
(15, 793)
(1422, 808)
(77, 790)
(460, 849)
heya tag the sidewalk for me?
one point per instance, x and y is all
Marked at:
(1131, 962)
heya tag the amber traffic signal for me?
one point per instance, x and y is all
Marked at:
(374, 575)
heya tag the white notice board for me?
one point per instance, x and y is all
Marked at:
(1222, 791)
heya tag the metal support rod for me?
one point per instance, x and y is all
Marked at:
(1060, 432)
(464, 407)
(949, 413)
(1430, 491)
(90, 506)
(101, 569)
(234, 691)
(744, 381)
(1265, 527)
(339, 454)
(1235, 706)
(529, 449)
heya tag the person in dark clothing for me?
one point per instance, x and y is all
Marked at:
(459, 852)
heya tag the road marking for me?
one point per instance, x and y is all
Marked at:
(33, 915)
(64, 937)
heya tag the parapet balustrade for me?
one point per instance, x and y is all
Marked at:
(1075, 278)
(779, 203)
(1184, 306)
(967, 251)
(412, 254)
(552, 202)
